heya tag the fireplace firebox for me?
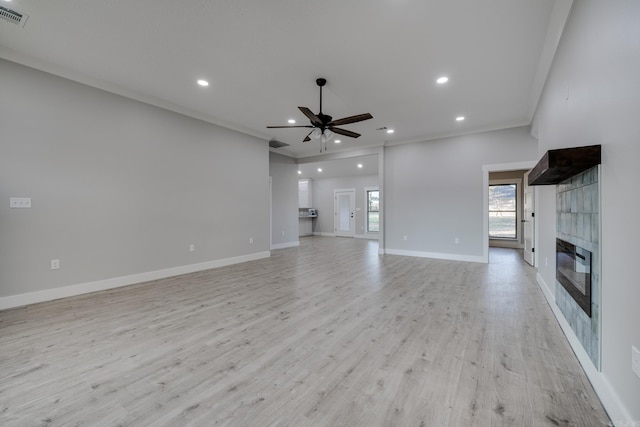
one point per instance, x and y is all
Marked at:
(573, 272)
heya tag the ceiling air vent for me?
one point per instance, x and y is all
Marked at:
(13, 16)
(277, 144)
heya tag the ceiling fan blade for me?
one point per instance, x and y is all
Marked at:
(306, 138)
(345, 132)
(351, 119)
(314, 119)
(278, 127)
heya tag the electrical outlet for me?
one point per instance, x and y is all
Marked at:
(456, 240)
(192, 248)
(19, 202)
(251, 240)
(635, 361)
(404, 237)
(55, 264)
(282, 233)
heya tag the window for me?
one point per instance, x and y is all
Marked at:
(502, 211)
(373, 210)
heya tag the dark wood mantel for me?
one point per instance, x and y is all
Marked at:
(559, 165)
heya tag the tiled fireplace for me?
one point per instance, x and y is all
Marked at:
(575, 172)
(578, 224)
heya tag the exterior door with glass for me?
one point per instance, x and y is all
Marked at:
(344, 212)
(528, 221)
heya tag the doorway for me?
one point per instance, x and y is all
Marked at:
(528, 223)
(344, 212)
(500, 171)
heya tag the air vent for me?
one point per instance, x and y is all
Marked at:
(13, 16)
(277, 144)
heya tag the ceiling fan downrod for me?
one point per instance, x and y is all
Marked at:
(321, 82)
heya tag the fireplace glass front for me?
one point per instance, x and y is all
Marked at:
(573, 271)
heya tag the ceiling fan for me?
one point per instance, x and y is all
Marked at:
(323, 126)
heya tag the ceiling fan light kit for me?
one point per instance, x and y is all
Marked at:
(323, 126)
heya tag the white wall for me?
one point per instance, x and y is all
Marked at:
(284, 201)
(323, 200)
(592, 96)
(434, 191)
(118, 187)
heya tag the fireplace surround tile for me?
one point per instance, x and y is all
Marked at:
(578, 222)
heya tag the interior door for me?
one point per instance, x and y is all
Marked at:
(528, 221)
(344, 211)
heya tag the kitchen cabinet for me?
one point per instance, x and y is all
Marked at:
(305, 194)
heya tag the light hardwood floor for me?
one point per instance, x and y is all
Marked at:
(327, 334)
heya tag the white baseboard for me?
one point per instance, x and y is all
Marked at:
(619, 415)
(548, 293)
(20, 300)
(318, 233)
(356, 236)
(513, 244)
(285, 245)
(367, 236)
(436, 255)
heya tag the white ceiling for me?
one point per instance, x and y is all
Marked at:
(343, 167)
(262, 59)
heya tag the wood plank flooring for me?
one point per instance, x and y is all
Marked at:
(327, 334)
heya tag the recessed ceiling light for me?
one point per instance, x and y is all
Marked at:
(291, 121)
(390, 131)
(459, 118)
(203, 83)
(360, 165)
(442, 80)
(337, 141)
(319, 169)
(299, 172)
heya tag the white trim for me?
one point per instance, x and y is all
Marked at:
(357, 236)
(500, 167)
(503, 167)
(381, 214)
(352, 208)
(285, 245)
(546, 290)
(366, 236)
(435, 255)
(505, 243)
(339, 155)
(616, 410)
(270, 212)
(116, 282)
(366, 210)
(323, 234)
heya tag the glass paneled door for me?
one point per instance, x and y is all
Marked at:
(528, 221)
(344, 211)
